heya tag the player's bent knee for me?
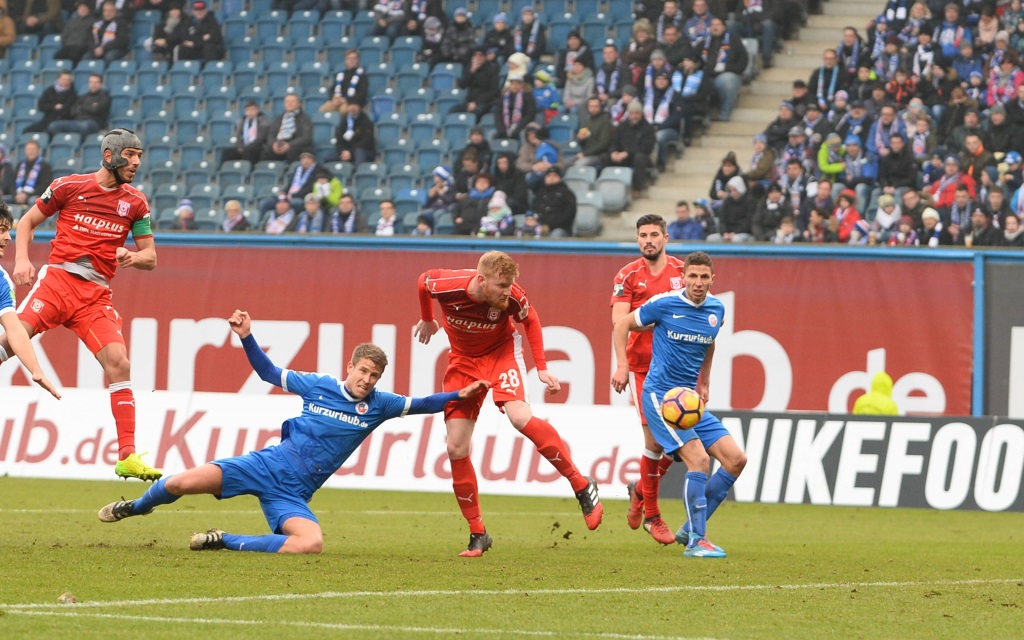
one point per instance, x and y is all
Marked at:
(303, 545)
(458, 451)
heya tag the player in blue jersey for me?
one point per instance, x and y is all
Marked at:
(337, 415)
(685, 324)
(17, 337)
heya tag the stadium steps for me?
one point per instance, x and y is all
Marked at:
(689, 178)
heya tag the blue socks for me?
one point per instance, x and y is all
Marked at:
(718, 488)
(155, 496)
(269, 543)
(696, 504)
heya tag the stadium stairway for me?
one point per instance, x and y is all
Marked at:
(689, 178)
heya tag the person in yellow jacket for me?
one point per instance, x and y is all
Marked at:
(878, 401)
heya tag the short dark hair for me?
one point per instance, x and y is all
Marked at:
(682, 203)
(699, 258)
(6, 215)
(651, 218)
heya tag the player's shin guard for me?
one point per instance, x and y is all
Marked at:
(464, 484)
(650, 482)
(696, 503)
(270, 543)
(154, 497)
(549, 444)
(718, 489)
(122, 405)
(664, 464)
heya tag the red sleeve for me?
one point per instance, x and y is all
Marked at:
(530, 320)
(426, 302)
(622, 288)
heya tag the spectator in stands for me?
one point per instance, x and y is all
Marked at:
(161, 6)
(234, 220)
(797, 149)
(555, 203)
(347, 218)
(204, 39)
(89, 113)
(8, 30)
(723, 58)
(663, 108)
(950, 34)
(831, 159)
(1004, 80)
(971, 125)
(918, 21)
(536, 154)
(470, 165)
(111, 35)
(510, 180)
(433, 35)
(658, 63)
(767, 217)
(955, 111)
(498, 221)
(727, 170)
(515, 110)
(759, 20)
(612, 75)
(632, 144)
(594, 134)
(888, 62)
(922, 139)
(336, 104)
(851, 226)
(618, 110)
(470, 209)
(816, 126)
(987, 30)
(579, 86)
(304, 179)
(328, 189)
(818, 196)
(860, 171)
(459, 42)
(786, 233)
(168, 34)
(674, 46)
(799, 97)
(672, 15)
(958, 211)
(355, 137)
(852, 53)
(698, 25)
(531, 227)
(55, 102)
(480, 80)
(934, 90)
(76, 37)
(1004, 136)
(886, 221)
(125, 8)
(983, 233)
(185, 216)
(924, 55)
(576, 48)
(819, 228)
(975, 157)
(861, 85)
(32, 175)
(545, 95)
(40, 17)
(417, 12)
(913, 205)
(735, 214)
(388, 219)
(529, 37)
(351, 83)
(967, 62)
(251, 135)
(424, 225)
(944, 191)
(7, 188)
(901, 89)
(684, 227)
(1013, 233)
(282, 219)
(478, 141)
(441, 194)
(762, 163)
(290, 134)
(997, 205)
(897, 169)
(880, 136)
(500, 37)
(637, 53)
(905, 235)
(390, 18)
(856, 122)
(777, 131)
(827, 79)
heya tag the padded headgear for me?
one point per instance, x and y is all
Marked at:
(117, 140)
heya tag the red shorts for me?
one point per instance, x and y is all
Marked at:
(59, 298)
(636, 389)
(505, 369)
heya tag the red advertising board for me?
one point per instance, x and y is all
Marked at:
(800, 333)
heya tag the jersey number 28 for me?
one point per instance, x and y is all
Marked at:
(509, 379)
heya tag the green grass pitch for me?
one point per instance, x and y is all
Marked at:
(390, 569)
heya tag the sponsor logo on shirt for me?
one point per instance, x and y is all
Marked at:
(122, 208)
(618, 289)
(362, 408)
(97, 225)
(37, 305)
(525, 311)
(713, 321)
(337, 415)
(471, 326)
(676, 283)
(493, 314)
(690, 337)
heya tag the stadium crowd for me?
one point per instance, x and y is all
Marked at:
(521, 118)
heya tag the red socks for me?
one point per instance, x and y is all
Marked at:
(651, 472)
(122, 405)
(464, 484)
(550, 445)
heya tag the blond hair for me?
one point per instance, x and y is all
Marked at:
(371, 352)
(498, 264)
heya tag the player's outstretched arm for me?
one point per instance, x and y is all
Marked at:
(437, 401)
(241, 324)
(620, 335)
(21, 345)
(427, 326)
(144, 258)
(24, 273)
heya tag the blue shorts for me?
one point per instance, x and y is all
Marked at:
(710, 429)
(266, 475)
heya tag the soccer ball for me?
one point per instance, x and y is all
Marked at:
(682, 408)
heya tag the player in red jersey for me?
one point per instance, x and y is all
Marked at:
(97, 211)
(636, 283)
(479, 310)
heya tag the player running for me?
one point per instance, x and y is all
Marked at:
(17, 336)
(337, 415)
(685, 324)
(653, 273)
(97, 211)
(480, 308)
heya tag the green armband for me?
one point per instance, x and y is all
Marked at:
(142, 227)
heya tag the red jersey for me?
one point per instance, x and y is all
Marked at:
(477, 328)
(93, 221)
(636, 285)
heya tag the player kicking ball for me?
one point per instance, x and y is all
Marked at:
(685, 324)
(337, 415)
(97, 212)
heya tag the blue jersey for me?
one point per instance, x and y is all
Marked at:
(6, 293)
(332, 423)
(683, 331)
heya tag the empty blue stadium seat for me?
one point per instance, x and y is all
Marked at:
(25, 72)
(314, 75)
(302, 24)
(238, 26)
(278, 75)
(382, 104)
(558, 31)
(306, 50)
(242, 51)
(183, 74)
(419, 102)
(275, 50)
(334, 25)
(363, 25)
(595, 29)
(216, 74)
(270, 25)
